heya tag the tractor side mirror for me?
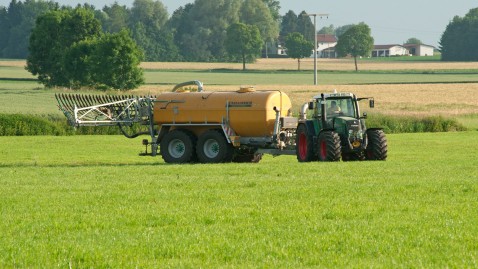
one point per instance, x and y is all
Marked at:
(311, 105)
(364, 115)
(371, 103)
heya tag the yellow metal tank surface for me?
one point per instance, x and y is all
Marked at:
(250, 113)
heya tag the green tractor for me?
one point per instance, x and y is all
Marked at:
(337, 130)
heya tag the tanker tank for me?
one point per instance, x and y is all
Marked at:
(249, 113)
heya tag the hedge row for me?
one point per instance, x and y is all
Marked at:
(19, 124)
(22, 125)
(412, 124)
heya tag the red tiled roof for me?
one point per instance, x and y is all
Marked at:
(324, 38)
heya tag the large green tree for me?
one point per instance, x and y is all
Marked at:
(298, 47)
(148, 25)
(288, 24)
(413, 40)
(305, 26)
(255, 12)
(179, 26)
(244, 42)
(115, 62)
(327, 30)
(117, 18)
(356, 41)
(54, 33)
(16, 23)
(68, 49)
(460, 39)
(339, 31)
(274, 7)
(207, 22)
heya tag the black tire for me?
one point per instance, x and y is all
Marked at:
(178, 146)
(304, 146)
(212, 147)
(329, 147)
(377, 147)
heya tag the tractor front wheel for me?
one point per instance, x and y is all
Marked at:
(377, 148)
(329, 146)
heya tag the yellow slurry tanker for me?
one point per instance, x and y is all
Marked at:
(213, 127)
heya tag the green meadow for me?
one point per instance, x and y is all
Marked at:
(92, 202)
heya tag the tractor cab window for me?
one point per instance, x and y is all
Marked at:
(339, 107)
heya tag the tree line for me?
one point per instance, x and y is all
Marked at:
(460, 39)
(194, 32)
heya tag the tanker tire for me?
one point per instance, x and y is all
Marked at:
(212, 147)
(304, 147)
(329, 147)
(178, 146)
(377, 147)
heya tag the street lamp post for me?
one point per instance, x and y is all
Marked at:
(315, 41)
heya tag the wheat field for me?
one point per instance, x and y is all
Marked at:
(306, 64)
(449, 99)
(322, 64)
(395, 99)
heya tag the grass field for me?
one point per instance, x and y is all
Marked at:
(92, 202)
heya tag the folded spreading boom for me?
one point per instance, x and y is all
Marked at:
(105, 110)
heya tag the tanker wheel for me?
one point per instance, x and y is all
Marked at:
(304, 145)
(329, 147)
(178, 146)
(213, 147)
(377, 147)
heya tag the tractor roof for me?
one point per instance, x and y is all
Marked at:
(335, 95)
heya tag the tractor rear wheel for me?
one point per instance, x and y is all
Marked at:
(304, 145)
(213, 147)
(178, 146)
(329, 146)
(377, 147)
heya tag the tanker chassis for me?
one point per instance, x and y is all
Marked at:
(214, 127)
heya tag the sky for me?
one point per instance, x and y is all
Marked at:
(392, 22)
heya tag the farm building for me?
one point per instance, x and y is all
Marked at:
(420, 49)
(389, 50)
(325, 45)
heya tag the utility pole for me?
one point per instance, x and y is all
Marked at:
(315, 43)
